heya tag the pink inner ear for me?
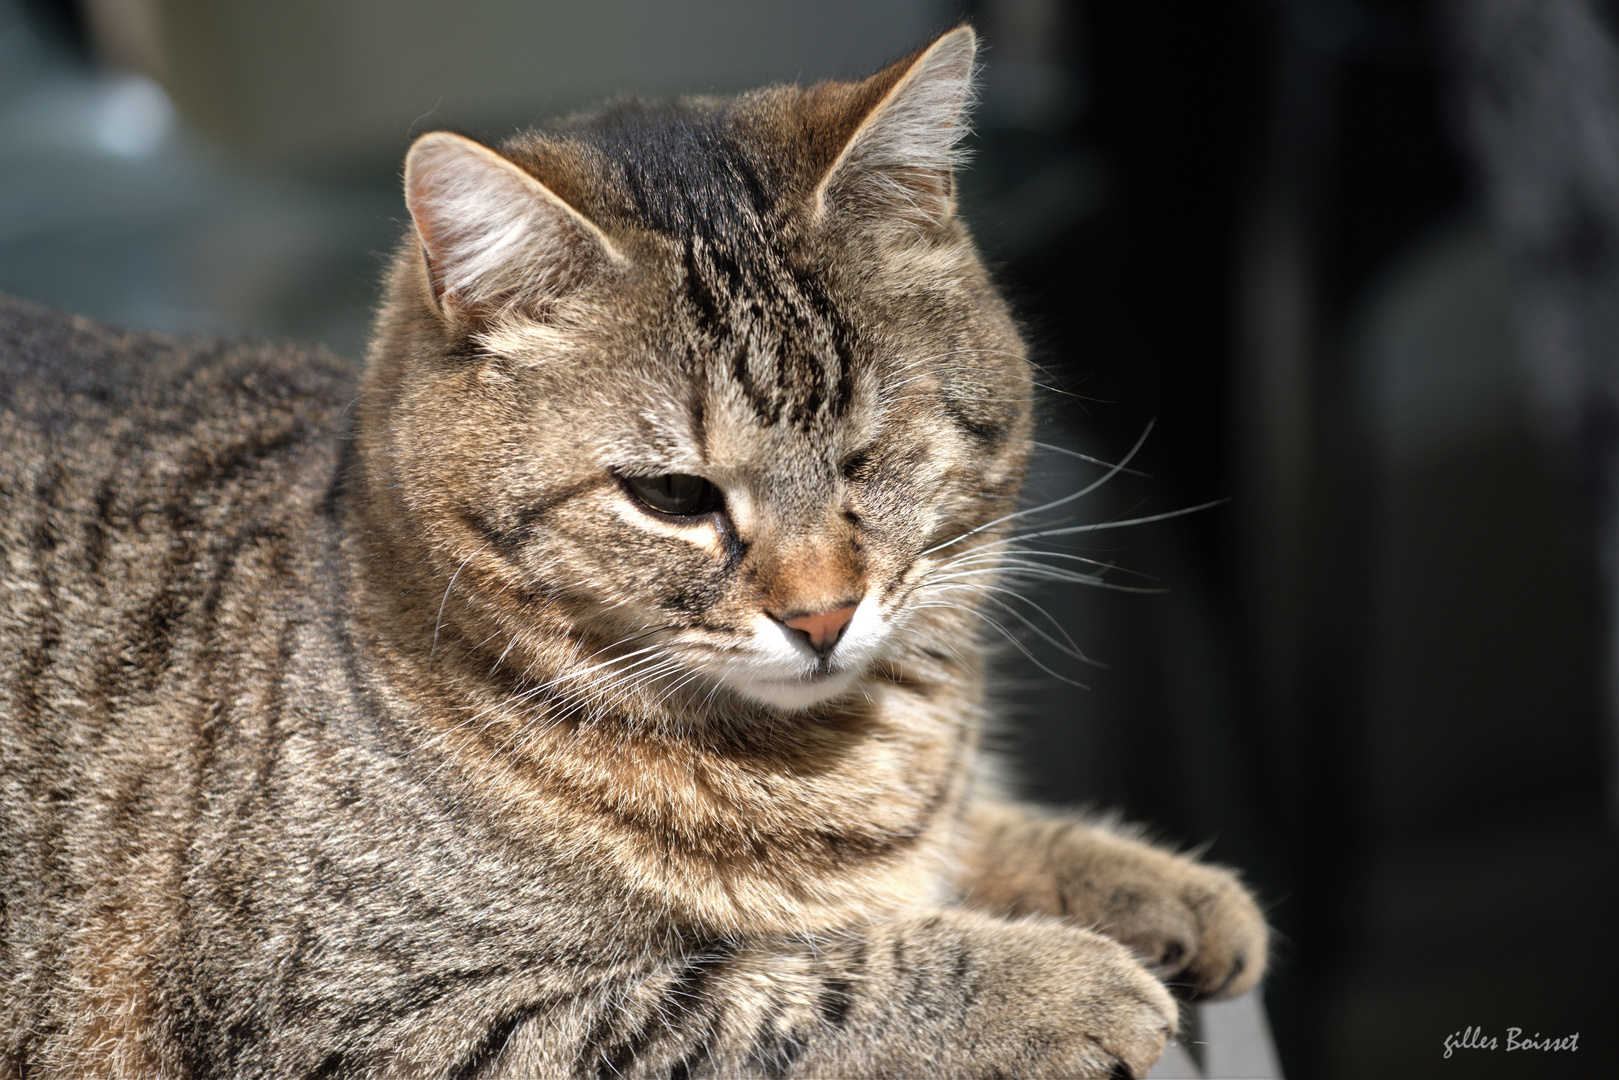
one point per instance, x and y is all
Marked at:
(493, 236)
(438, 245)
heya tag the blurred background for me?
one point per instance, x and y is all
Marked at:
(1358, 260)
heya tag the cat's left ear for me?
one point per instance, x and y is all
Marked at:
(899, 163)
(494, 237)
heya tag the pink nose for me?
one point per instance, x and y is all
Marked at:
(824, 629)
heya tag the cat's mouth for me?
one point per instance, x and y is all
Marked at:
(799, 686)
(776, 669)
(820, 668)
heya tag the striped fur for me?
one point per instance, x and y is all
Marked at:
(365, 727)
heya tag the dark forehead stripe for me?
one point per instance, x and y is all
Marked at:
(770, 330)
(684, 172)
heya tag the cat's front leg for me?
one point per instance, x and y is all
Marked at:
(948, 993)
(1193, 924)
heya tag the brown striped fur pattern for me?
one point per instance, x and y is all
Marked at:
(581, 692)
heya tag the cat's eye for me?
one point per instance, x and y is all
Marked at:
(675, 493)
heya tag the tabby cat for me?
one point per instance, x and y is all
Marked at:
(585, 693)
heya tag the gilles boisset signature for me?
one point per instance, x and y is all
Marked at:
(1473, 1038)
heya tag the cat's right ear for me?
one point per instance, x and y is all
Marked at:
(495, 238)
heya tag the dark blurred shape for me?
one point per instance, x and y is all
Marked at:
(1538, 97)
(63, 20)
(1423, 633)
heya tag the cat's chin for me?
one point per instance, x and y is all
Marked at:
(795, 695)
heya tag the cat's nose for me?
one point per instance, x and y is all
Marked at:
(822, 629)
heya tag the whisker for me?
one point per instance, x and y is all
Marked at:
(440, 621)
(1013, 567)
(1055, 449)
(1066, 646)
(1100, 525)
(1013, 564)
(1110, 474)
(529, 693)
(1046, 573)
(691, 676)
(982, 553)
(1024, 649)
(510, 645)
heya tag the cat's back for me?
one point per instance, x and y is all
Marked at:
(146, 483)
(78, 398)
(161, 536)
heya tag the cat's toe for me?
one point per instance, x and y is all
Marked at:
(1170, 959)
(1232, 942)
(1205, 939)
(1142, 1025)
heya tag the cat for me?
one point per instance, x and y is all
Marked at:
(591, 688)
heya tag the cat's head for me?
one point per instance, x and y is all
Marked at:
(700, 394)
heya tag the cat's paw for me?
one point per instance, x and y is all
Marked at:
(1125, 1016)
(1194, 925)
(1067, 1003)
(958, 995)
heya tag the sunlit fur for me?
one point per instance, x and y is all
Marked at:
(381, 729)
